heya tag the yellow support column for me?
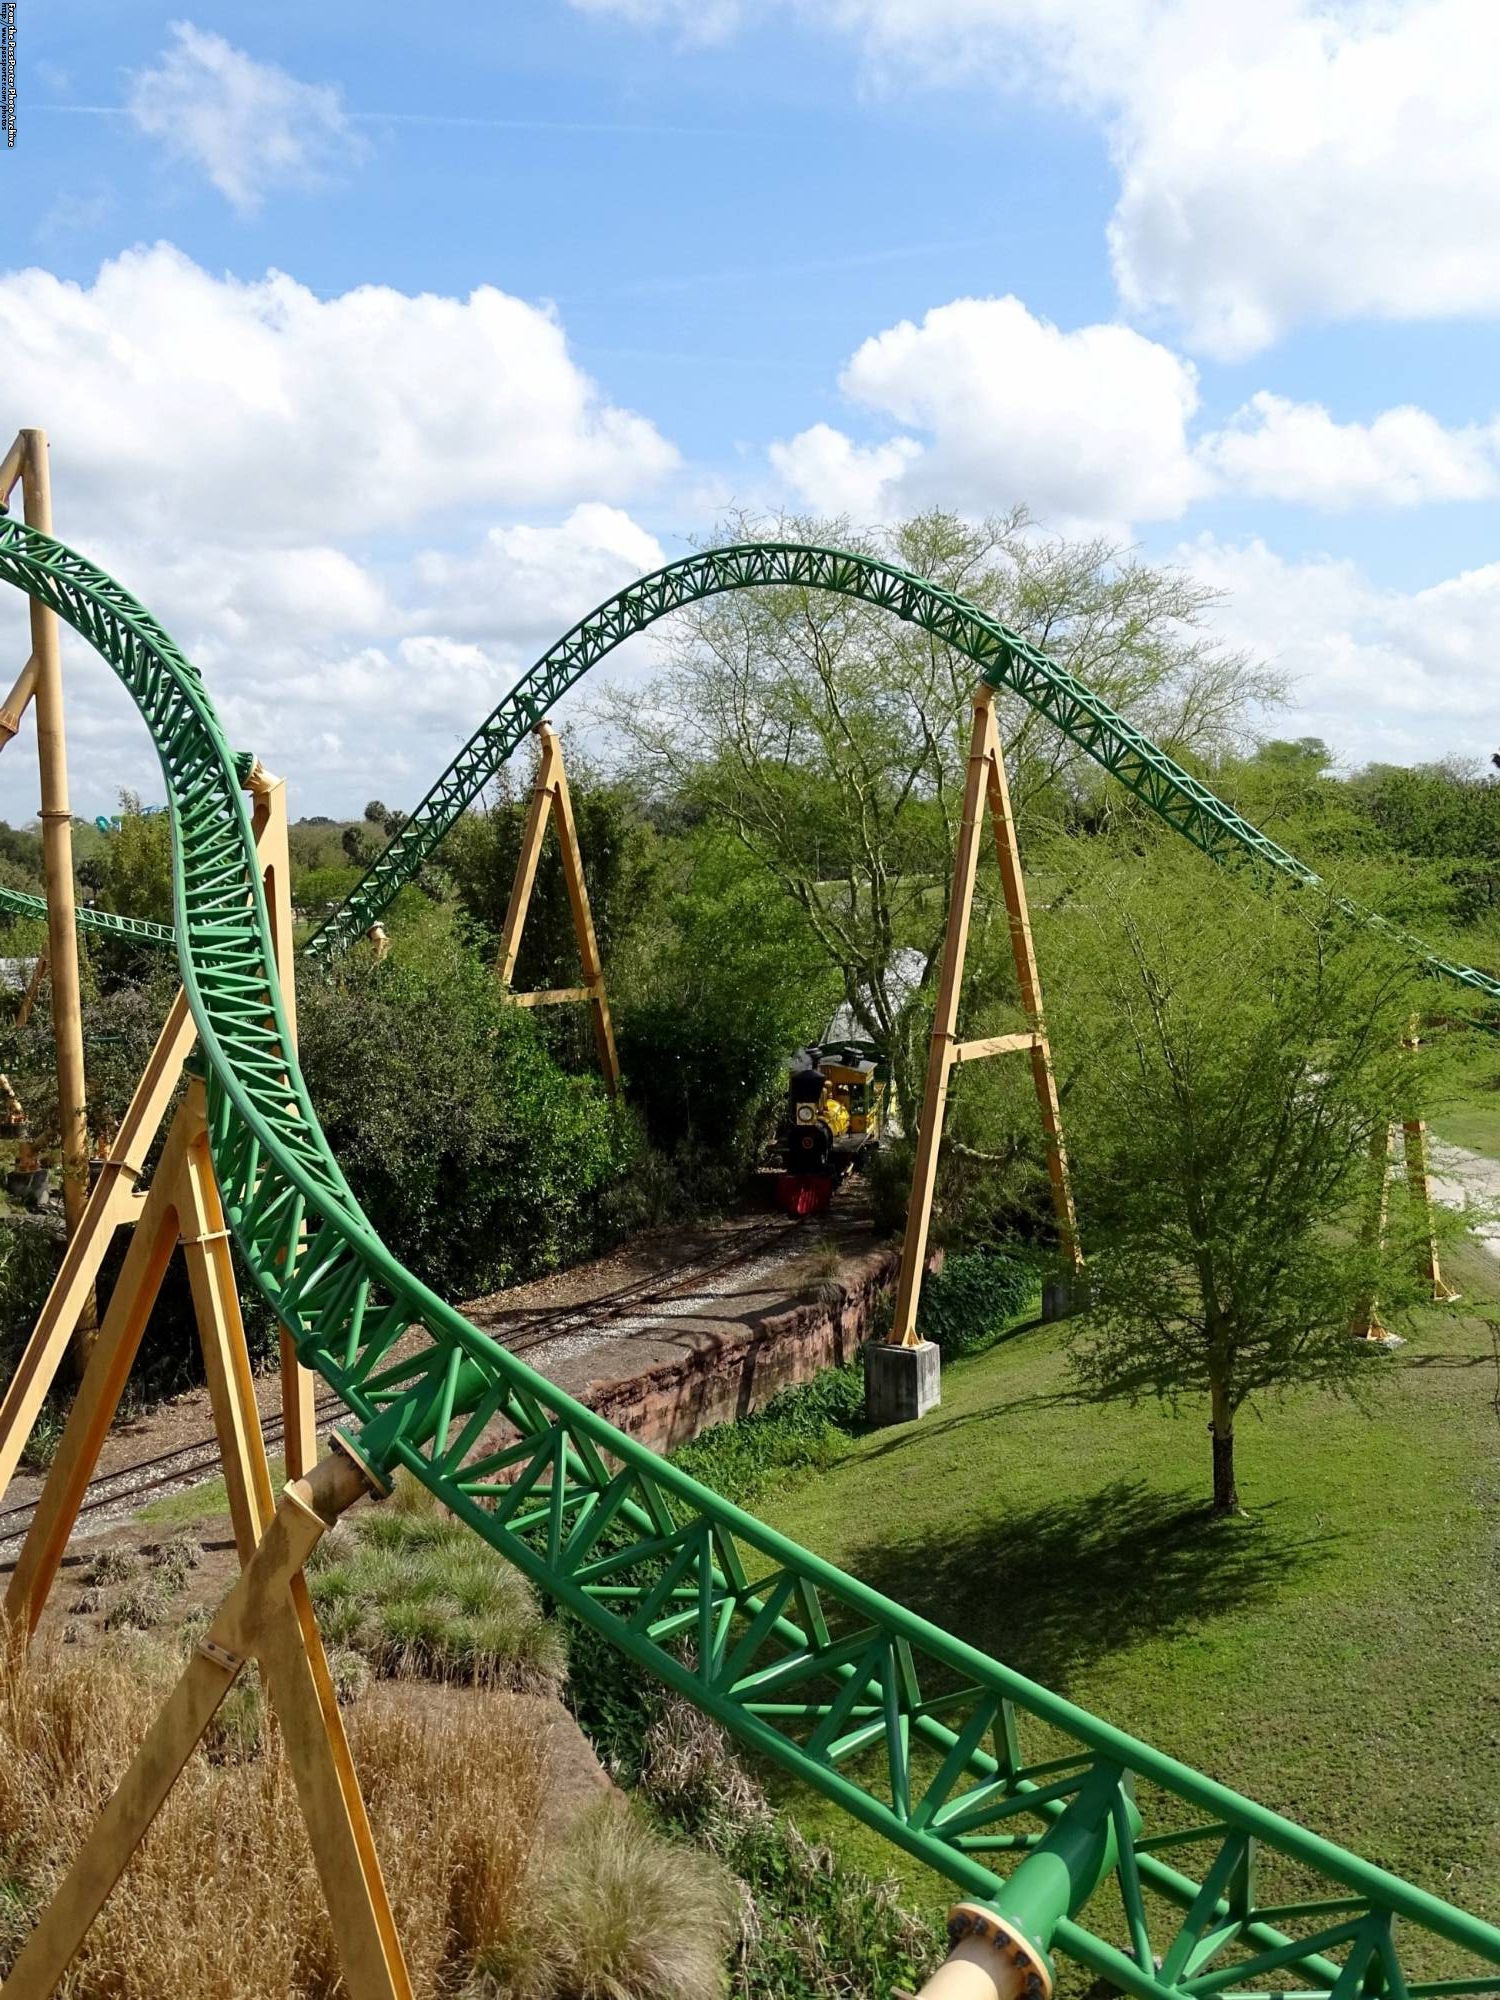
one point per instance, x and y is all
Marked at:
(268, 821)
(28, 457)
(266, 1613)
(550, 798)
(985, 785)
(114, 1201)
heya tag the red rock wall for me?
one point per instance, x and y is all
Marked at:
(668, 1404)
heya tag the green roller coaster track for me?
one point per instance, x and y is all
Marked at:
(16, 903)
(947, 1753)
(1007, 661)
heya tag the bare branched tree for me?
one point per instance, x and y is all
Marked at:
(831, 738)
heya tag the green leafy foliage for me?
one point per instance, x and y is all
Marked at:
(709, 1009)
(813, 1928)
(1238, 1055)
(619, 858)
(799, 1427)
(479, 1160)
(413, 1591)
(972, 1299)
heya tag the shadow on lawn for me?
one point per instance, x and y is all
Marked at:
(1051, 1588)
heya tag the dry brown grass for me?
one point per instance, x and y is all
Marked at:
(222, 1897)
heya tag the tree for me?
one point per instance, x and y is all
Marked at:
(1234, 1057)
(830, 738)
(477, 1158)
(710, 1000)
(136, 867)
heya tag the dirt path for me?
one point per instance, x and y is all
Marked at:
(649, 1301)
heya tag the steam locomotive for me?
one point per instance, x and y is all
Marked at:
(834, 1116)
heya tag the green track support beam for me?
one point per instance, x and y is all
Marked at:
(1004, 659)
(16, 903)
(948, 1754)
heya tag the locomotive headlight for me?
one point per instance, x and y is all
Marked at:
(806, 1113)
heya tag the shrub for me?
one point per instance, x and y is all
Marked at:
(971, 1299)
(415, 1592)
(478, 1159)
(630, 1916)
(731, 984)
(810, 1927)
(801, 1426)
(457, 1807)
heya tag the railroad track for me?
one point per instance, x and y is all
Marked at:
(119, 1493)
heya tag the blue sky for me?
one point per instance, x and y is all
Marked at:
(562, 281)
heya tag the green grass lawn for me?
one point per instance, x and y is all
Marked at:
(1334, 1655)
(1473, 1119)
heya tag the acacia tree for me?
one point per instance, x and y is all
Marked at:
(830, 738)
(1234, 1057)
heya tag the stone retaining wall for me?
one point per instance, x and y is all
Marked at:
(730, 1376)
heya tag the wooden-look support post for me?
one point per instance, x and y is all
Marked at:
(269, 823)
(985, 788)
(16, 702)
(1365, 1325)
(1419, 1192)
(269, 1613)
(116, 1201)
(551, 799)
(33, 988)
(41, 681)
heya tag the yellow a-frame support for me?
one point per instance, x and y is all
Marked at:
(550, 799)
(268, 1613)
(985, 788)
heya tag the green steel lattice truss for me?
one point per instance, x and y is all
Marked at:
(16, 903)
(947, 1753)
(1004, 659)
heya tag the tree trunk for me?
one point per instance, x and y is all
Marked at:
(1226, 1494)
(1221, 1428)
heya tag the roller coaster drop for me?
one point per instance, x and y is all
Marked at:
(948, 1754)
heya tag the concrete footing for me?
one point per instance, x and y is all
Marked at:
(901, 1383)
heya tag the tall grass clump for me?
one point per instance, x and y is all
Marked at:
(417, 1593)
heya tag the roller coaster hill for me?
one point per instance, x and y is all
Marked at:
(1060, 1833)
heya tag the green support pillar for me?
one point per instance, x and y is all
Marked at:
(1001, 1949)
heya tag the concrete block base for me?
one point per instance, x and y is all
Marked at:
(901, 1383)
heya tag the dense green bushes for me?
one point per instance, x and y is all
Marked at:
(479, 1160)
(972, 1298)
(711, 1005)
(811, 1928)
(801, 1426)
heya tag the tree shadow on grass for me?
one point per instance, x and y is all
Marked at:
(1049, 1589)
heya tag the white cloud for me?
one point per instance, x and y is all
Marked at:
(1286, 161)
(232, 411)
(347, 677)
(695, 20)
(536, 581)
(1337, 164)
(1094, 426)
(1379, 674)
(361, 516)
(835, 476)
(247, 125)
(1404, 457)
(1087, 425)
